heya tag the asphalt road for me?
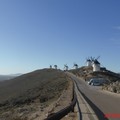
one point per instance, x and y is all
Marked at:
(102, 102)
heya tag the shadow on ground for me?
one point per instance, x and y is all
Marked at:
(98, 112)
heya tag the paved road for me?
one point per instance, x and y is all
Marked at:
(102, 102)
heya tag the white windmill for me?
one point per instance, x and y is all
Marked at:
(55, 67)
(96, 64)
(66, 67)
(89, 62)
(75, 66)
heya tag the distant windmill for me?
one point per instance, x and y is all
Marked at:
(96, 64)
(97, 57)
(75, 65)
(92, 58)
(66, 67)
(55, 66)
(89, 61)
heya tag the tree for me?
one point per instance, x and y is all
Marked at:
(50, 66)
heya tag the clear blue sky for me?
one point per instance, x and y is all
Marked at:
(37, 33)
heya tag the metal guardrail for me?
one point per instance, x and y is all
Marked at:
(60, 114)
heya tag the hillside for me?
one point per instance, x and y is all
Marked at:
(7, 77)
(87, 72)
(44, 85)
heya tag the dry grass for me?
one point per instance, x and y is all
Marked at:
(44, 86)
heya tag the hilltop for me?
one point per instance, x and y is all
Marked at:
(87, 73)
(38, 87)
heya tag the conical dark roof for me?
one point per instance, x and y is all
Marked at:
(88, 60)
(96, 62)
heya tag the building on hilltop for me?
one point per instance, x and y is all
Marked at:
(89, 62)
(96, 65)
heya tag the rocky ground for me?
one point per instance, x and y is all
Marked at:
(112, 87)
(64, 101)
(40, 108)
(86, 73)
(33, 96)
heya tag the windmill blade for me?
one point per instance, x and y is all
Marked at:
(86, 60)
(91, 58)
(73, 65)
(97, 57)
(65, 65)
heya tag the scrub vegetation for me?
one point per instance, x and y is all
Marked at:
(40, 86)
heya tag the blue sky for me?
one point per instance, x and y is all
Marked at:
(37, 33)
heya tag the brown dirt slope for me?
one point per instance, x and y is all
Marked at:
(44, 84)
